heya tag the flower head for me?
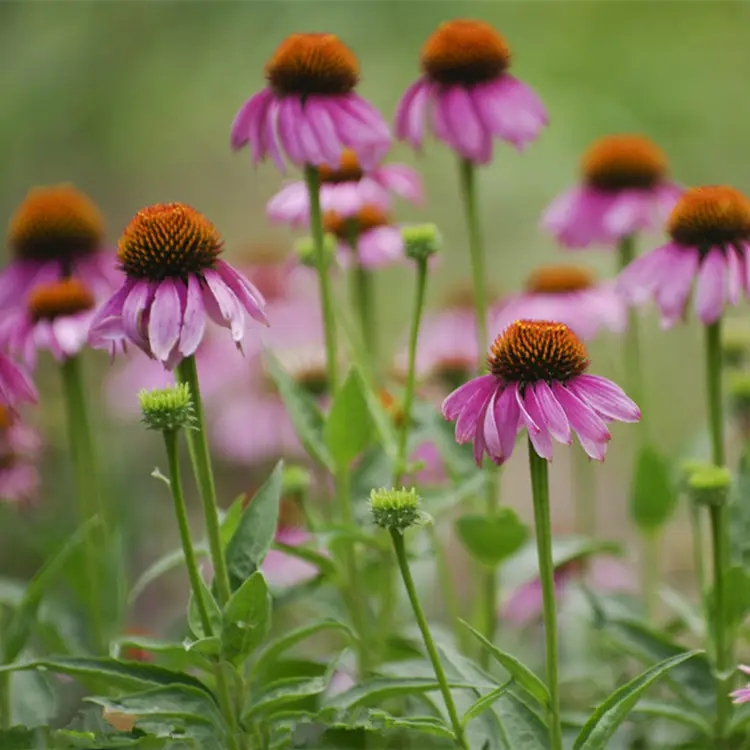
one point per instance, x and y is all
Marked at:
(566, 294)
(537, 379)
(421, 241)
(378, 242)
(396, 510)
(710, 244)
(468, 95)
(175, 281)
(168, 409)
(346, 189)
(56, 232)
(624, 190)
(309, 110)
(707, 484)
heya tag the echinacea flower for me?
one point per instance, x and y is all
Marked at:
(15, 385)
(309, 112)
(378, 242)
(537, 379)
(570, 295)
(467, 94)
(625, 190)
(20, 446)
(743, 694)
(710, 245)
(346, 190)
(175, 281)
(56, 232)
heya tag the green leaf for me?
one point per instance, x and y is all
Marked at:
(520, 727)
(380, 720)
(305, 415)
(653, 498)
(492, 539)
(614, 710)
(486, 701)
(286, 691)
(103, 674)
(195, 623)
(273, 650)
(674, 712)
(517, 670)
(322, 562)
(348, 429)
(246, 620)
(165, 564)
(187, 653)
(257, 527)
(737, 588)
(231, 519)
(22, 622)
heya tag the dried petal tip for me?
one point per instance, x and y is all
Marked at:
(421, 241)
(396, 510)
(559, 279)
(620, 162)
(59, 298)
(295, 481)
(708, 216)
(305, 250)
(168, 409)
(168, 240)
(348, 170)
(367, 218)
(532, 350)
(465, 52)
(55, 223)
(308, 64)
(708, 484)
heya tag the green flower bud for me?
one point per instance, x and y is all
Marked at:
(396, 510)
(168, 409)
(421, 241)
(709, 485)
(305, 250)
(295, 481)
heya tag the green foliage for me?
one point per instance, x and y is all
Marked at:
(492, 539)
(246, 619)
(214, 613)
(653, 497)
(349, 427)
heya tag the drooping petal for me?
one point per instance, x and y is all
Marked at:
(15, 384)
(246, 293)
(411, 113)
(134, 309)
(675, 283)
(470, 419)
(322, 127)
(735, 275)
(554, 414)
(711, 292)
(290, 205)
(641, 278)
(193, 318)
(605, 397)
(244, 126)
(380, 246)
(457, 401)
(257, 135)
(467, 134)
(289, 116)
(480, 445)
(402, 180)
(584, 420)
(541, 439)
(507, 415)
(165, 320)
(222, 305)
(491, 428)
(527, 419)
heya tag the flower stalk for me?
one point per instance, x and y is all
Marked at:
(540, 490)
(187, 373)
(312, 181)
(363, 297)
(633, 370)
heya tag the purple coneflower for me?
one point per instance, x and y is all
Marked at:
(56, 232)
(309, 112)
(566, 294)
(537, 380)
(468, 94)
(710, 242)
(624, 190)
(743, 694)
(174, 283)
(20, 446)
(379, 243)
(346, 190)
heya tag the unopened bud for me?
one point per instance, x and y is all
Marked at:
(305, 250)
(295, 481)
(421, 241)
(168, 409)
(709, 485)
(396, 510)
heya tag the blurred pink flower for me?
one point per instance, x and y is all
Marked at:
(566, 294)
(283, 570)
(743, 694)
(432, 469)
(379, 243)
(346, 190)
(467, 94)
(15, 384)
(309, 110)
(20, 448)
(624, 191)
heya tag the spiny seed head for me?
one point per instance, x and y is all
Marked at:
(295, 480)
(348, 170)
(465, 52)
(368, 217)
(59, 298)
(559, 279)
(707, 216)
(55, 223)
(421, 241)
(304, 249)
(396, 510)
(168, 409)
(619, 162)
(528, 351)
(306, 64)
(709, 485)
(168, 240)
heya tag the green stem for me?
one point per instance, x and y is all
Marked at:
(204, 476)
(363, 299)
(651, 541)
(403, 564)
(719, 530)
(584, 492)
(411, 372)
(542, 523)
(633, 370)
(175, 484)
(696, 524)
(87, 489)
(312, 180)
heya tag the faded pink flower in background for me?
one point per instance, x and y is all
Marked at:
(16, 386)
(378, 242)
(625, 190)
(20, 449)
(743, 694)
(466, 95)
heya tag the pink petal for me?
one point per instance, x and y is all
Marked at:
(323, 129)
(193, 318)
(222, 305)
(540, 439)
(289, 205)
(165, 320)
(133, 310)
(507, 414)
(675, 285)
(244, 122)
(289, 117)
(411, 112)
(711, 292)
(456, 402)
(402, 180)
(468, 136)
(641, 278)
(257, 134)
(531, 425)
(605, 397)
(554, 415)
(735, 275)
(380, 246)
(490, 427)
(248, 296)
(469, 420)
(584, 420)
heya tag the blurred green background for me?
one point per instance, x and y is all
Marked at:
(132, 102)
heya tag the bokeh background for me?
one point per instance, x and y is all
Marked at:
(132, 102)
